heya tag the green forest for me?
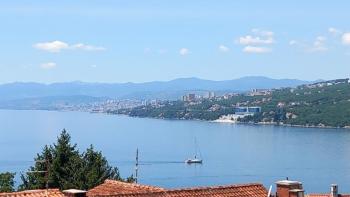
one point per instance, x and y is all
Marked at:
(324, 104)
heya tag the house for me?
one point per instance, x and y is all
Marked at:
(247, 110)
(117, 189)
(189, 98)
(287, 188)
(112, 188)
(35, 193)
(333, 193)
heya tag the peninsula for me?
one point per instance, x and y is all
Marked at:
(322, 104)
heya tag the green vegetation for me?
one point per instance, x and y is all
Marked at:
(322, 104)
(7, 182)
(62, 166)
(180, 110)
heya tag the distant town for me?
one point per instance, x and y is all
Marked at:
(320, 104)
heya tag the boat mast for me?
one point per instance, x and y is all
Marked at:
(195, 147)
(137, 165)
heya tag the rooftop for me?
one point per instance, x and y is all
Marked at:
(74, 191)
(327, 195)
(243, 190)
(34, 193)
(111, 187)
(288, 182)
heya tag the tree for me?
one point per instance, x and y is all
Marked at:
(66, 164)
(96, 169)
(62, 166)
(38, 175)
(7, 182)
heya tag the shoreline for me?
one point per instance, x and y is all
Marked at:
(243, 123)
(277, 124)
(223, 121)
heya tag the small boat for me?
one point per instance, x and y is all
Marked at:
(194, 160)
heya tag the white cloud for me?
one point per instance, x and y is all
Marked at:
(260, 37)
(48, 65)
(86, 47)
(249, 40)
(57, 46)
(223, 48)
(254, 49)
(319, 44)
(321, 38)
(263, 32)
(334, 31)
(54, 47)
(184, 51)
(346, 38)
(93, 66)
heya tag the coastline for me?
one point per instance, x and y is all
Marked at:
(277, 124)
(222, 121)
(226, 121)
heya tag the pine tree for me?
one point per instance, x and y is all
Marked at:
(62, 166)
(39, 174)
(96, 169)
(7, 182)
(66, 163)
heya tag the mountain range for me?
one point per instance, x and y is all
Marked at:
(171, 90)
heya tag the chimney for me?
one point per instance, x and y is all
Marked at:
(334, 190)
(287, 188)
(74, 193)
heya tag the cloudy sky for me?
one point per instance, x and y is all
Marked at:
(134, 41)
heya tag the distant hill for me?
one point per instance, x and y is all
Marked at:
(323, 104)
(150, 90)
(49, 102)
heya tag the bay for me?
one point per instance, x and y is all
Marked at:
(232, 154)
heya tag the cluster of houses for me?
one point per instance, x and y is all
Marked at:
(328, 83)
(192, 97)
(112, 188)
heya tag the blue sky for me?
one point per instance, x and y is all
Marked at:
(138, 41)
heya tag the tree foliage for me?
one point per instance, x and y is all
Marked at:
(7, 182)
(322, 104)
(62, 166)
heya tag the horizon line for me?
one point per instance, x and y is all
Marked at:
(164, 81)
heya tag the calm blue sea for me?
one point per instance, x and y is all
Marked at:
(231, 153)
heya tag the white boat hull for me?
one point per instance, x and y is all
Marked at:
(190, 161)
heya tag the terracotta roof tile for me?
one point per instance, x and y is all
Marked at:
(111, 187)
(317, 195)
(326, 195)
(244, 190)
(34, 193)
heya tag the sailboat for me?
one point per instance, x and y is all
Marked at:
(195, 159)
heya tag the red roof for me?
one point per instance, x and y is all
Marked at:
(244, 190)
(326, 195)
(111, 187)
(34, 193)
